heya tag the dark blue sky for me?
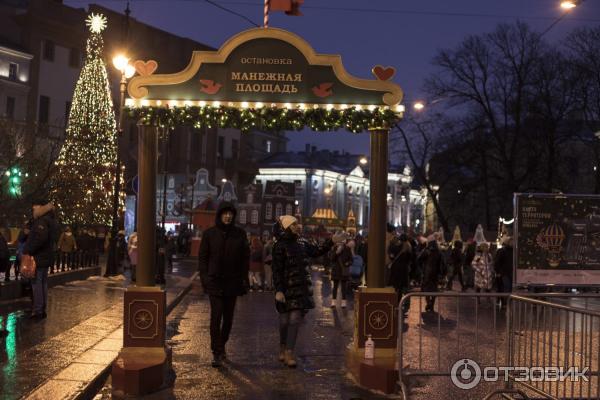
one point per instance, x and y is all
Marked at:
(401, 33)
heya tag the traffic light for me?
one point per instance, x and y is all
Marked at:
(14, 181)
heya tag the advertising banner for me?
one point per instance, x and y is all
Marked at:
(557, 239)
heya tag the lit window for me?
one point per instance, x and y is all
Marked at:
(243, 217)
(288, 209)
(269, 212)
(13, 70)
(268, 146)
(254, 217)
(250, 198)
(278, 210)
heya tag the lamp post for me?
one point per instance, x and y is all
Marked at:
(121, 63)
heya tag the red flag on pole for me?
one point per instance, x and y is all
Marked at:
(290, 7)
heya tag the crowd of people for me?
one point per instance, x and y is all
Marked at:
(74, 249)
(431, 264)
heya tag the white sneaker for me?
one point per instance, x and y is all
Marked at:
(343, 303)
(332, 303)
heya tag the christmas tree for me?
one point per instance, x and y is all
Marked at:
(85, 169)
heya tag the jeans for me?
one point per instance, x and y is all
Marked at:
(289, 325)
(66, 261)
(268, 276)
(456, 270)
(221, 321)
(336, 284)
(39, 287)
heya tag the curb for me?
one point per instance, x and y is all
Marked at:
(89, 391)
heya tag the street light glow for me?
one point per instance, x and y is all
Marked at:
(129, 71)
(568, 4)
(419, 105)
(363, 160)
(224, 180)
(120, 62)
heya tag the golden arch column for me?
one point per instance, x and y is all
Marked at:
(144, 359)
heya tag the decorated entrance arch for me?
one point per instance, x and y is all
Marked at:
(272, 80)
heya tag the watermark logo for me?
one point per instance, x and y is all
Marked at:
(466, 374)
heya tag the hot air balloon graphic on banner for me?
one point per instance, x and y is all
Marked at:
(551, 239)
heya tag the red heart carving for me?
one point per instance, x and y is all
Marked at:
(145, 68)
(384, 73)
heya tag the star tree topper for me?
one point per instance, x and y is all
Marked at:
(96, 22)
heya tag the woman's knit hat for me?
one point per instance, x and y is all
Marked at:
(287, 220)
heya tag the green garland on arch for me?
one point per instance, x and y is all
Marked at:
(266, 119)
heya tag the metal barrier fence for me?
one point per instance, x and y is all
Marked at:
(530, 331)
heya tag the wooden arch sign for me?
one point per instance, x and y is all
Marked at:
(265, 66)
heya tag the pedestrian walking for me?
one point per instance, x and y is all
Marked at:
(293, 285)
(268, 257)
(400, 252)
(483, 268)
(132, 252)
(40, 245)
(433, 267)
(468, 273)
(341, 259)
(504, 266)
(4, 256)
(21, 240)
(67, 246)
(223, 262)
(456, 263)
(171, 250)
(256, 264)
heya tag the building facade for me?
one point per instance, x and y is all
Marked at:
(339, 181)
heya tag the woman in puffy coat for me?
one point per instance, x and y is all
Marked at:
(291, 278)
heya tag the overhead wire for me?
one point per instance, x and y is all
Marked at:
(361, 10)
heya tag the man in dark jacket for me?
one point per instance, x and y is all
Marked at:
(503, 265)
(41, 245)
(434, 266)
(224, 259)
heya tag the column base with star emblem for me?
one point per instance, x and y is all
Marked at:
(375, 314)
(144, 362)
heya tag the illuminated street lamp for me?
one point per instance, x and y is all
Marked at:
(363, 160)
(419, 105)
(121, 63)
(569, 4)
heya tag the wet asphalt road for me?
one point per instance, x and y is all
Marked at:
(24, 352)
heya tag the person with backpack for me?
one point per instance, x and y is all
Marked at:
(341, 260)
(434, 266)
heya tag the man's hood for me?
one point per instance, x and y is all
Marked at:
(225, 206)
(43, 210)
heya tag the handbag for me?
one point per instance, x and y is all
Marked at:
(28, 266)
